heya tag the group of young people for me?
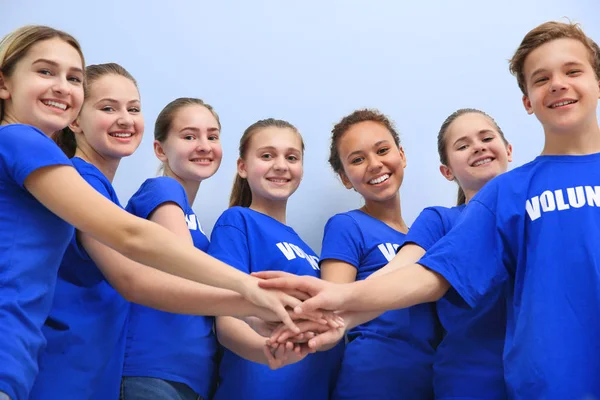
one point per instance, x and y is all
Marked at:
(495, 298)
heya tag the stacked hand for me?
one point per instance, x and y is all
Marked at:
(311, 326)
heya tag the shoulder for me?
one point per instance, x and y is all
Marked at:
(234, 216)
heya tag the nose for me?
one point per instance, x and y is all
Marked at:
(61, 86)
(280, 164)
(558, 83)
(203, 145)
(125, 120)
(479, 147)
(374, 163)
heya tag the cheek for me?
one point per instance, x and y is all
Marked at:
(217, 152)
(139, 124)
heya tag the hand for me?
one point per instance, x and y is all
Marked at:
(273, 300)
(263, 328)
(324, 295)
(284, 354)
(316, 336)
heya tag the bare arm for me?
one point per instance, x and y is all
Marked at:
(337, 271)
(408, 254)
(62, 190)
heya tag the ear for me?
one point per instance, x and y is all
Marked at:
(74, 126)
(345, 180)
(403, 156)
(241, 168)
(4, 92)
(509, 152)
(160, 151)
(446, 172)
(527, 104)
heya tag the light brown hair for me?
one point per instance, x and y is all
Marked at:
(543, 34)
(241, 195)
(65, 139)
(15, 46)
(441, 141)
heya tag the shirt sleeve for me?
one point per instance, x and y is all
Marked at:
(427, 229)
(229, 243)
(342, 240)
(470, 256)
(154, 193)
(24, 149)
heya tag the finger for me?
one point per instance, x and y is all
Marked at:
(289, 301)
(325, 338)
(293, 282)
(314, 303)
(271, 274)
(285, 318)
(271, 361)
(316, 316)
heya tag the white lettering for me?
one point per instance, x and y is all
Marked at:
(593, 195)
(286, 250)
(192, 222)
(298, 251)
(533, 208)
(576, 197)
(547, 201)
(314, 262)
(560, 201)
(388, 250)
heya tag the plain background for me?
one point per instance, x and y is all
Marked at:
(311, 63)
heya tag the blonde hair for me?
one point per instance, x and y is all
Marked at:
(15, 46)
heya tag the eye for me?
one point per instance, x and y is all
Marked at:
(189, 137)
(292, 158)
(383, 150)
(44, 71)
(266, 156)
(134, 110)
(357, 160)
(213, 138)
(540, 80)
(488, 139)
(75, 79)
(462, 147)
(107, 109)
(574, 72)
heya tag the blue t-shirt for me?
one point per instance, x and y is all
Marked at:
(32, 242)
(252, 242)
(86, 326)
(536, 227)
(180, 348)
(390, 357)
(468, 361)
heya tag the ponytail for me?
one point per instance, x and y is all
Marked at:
(65, 139)
(461, 198)
(241, 195)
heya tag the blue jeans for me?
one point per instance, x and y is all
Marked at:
(145, 388)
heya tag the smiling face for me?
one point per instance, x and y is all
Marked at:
(272, 164)
(111, 120)
(192, 150)
(475, 150)
(562, 88)
(372, 163)
(45, 89)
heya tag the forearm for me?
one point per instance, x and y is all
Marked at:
(409, 254)
(402, 288)
(242, 340)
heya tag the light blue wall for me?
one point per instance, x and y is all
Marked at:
(312, 62)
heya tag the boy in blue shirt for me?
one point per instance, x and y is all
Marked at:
(535, 227)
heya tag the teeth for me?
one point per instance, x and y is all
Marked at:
(278, 180)
(200, 160)
(55, 104)
(481, 162)
(382, 178)
(562, 103)
(121, 135)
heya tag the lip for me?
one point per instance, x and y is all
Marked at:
(472, 164)
(122, 139)
(205, 160)
(552, 105)
(56, 109)
(389, 174)
(286, 180)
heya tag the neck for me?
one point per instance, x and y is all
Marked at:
(107, 166)
(274, 209)
(191, 187)
(389, 212)
(585, 140)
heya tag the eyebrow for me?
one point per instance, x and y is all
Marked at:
(193, 128)
(568, 64)
(379, 143)
(109, 100)
(481, 132)
(55, 64)
(290, 149)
